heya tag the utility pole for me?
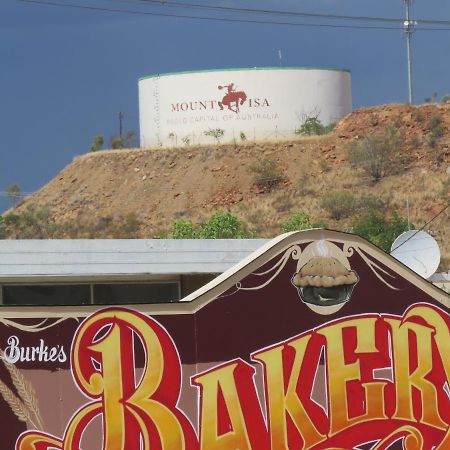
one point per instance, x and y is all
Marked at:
(408, 28)
(120, 115)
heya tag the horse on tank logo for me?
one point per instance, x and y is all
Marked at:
(232, 99)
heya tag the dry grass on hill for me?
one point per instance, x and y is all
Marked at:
(106, 193)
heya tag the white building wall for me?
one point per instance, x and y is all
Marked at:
(177, 108)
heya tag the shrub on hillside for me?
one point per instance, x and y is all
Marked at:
(216, 133)
(301, 221)
(11, 220)
(436, 130)
(223, 225)
(34, 222)
(304, 185)
(267, 174)
(125, 226)
(342, 204)
(312, 126)
(126, 141)
(14, 193)
(381, 231)
(182, 229)
(369, 202)
(283, 203)
(339, 205)
(297, 221)
(378, 155)
(3, 230)
(97, 143)
(116, 142)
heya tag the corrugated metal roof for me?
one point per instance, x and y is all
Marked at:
(79, 258)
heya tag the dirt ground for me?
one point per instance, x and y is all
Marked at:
(159, 185)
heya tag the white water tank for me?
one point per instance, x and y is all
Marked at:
(267, 103)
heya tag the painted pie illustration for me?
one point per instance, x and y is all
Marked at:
(325, 281)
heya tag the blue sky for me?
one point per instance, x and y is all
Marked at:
(65, 73)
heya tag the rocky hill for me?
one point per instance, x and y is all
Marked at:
(138, 193)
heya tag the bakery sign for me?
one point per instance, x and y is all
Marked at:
(317, 341)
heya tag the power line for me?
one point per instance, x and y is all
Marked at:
(185, 16)
(431, 29)
(420, 229)
(169, 3)
(262, 11)
(217, 19)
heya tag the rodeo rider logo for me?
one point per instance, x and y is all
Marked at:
(231, 100)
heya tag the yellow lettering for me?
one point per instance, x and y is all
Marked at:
(281, 402)
(340, 373)
(406, 378)
(230, 417)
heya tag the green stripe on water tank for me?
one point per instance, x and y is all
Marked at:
(168, 74)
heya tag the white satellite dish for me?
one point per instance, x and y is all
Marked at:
(417, 250)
